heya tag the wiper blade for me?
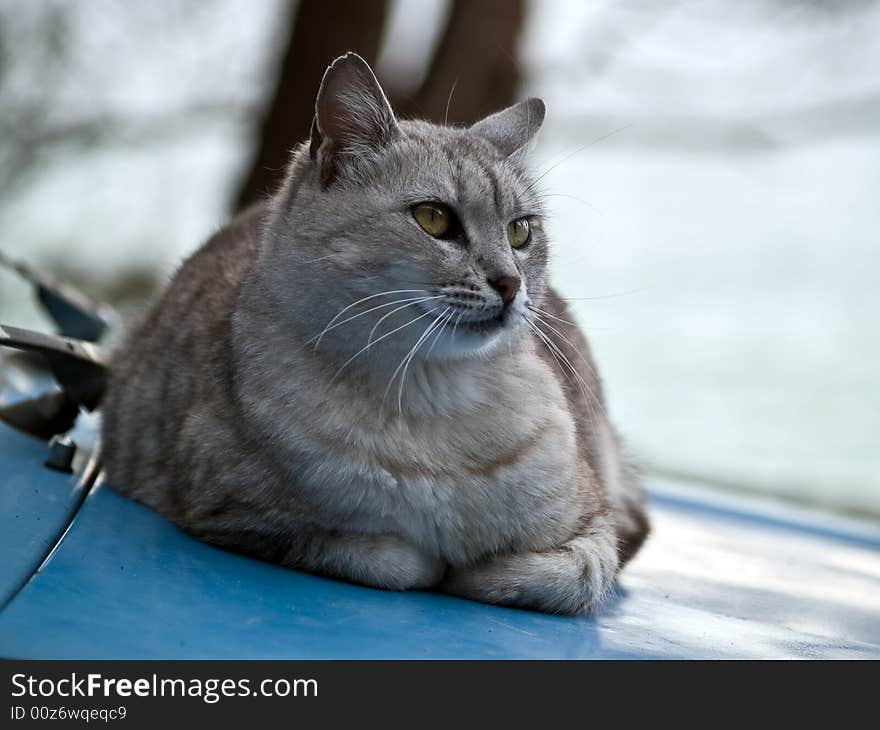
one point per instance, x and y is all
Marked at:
(72, 311)
(80, 369)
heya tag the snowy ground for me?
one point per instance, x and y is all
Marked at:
(729, 223)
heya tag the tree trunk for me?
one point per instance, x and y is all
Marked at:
(319, 31)
(477, 55)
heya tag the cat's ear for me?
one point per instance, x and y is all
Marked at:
(352, 116)
(510, 129)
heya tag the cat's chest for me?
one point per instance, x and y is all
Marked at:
(461, 489)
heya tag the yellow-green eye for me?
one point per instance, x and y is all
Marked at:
(434, 218)
(519, 232)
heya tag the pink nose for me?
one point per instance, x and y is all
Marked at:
(506, 286)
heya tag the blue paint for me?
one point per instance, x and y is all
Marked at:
(711, 582)
(127, 583)
(766, 514)
(36, 505)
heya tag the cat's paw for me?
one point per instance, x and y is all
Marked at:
(390, 562)
(572, 579)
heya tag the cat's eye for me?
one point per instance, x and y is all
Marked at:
(519, 232)
(434, 218)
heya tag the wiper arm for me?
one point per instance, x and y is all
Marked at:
(75, 314)
(80, 369)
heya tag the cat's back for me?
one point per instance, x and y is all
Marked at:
(177, 354)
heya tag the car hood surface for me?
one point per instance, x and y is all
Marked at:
(86, 573)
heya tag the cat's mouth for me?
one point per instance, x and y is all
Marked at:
(473, 328)
(486, 325)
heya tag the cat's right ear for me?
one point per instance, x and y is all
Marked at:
(511, 129)
(352, 117)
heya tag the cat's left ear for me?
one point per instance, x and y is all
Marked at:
(352, 116)
(512, 128)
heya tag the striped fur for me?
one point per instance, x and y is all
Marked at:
(277, 401)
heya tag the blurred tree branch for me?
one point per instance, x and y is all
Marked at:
(318, 31)
(28, 137)
(475, 59)
(475, 70)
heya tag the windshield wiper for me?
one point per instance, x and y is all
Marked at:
(72, 311)
(79, 367)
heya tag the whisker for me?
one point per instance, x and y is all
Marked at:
(561, 360)
(320, 258)
(570, 344)
(547, 314)
(449, 101)
(575, 152)
(607, 296)
(554, 351)
(377, 340)
(372, 296)
(555, 356)
(455, 326)
(439, 332)
(406, 361)
(386, 316)
(582, 384)
(572, 197)
(372, 309)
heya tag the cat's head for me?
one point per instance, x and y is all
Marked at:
(406, 233)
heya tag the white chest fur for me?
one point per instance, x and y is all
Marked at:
(482, 464)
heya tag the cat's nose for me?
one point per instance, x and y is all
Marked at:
(506, 286)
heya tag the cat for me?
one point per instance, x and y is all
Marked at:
(369, 377)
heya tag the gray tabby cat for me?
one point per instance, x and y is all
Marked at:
(369, 377)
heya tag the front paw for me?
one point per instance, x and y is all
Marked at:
(570, 580)
(390, 562)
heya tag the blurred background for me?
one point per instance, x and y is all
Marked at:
(713, 171)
